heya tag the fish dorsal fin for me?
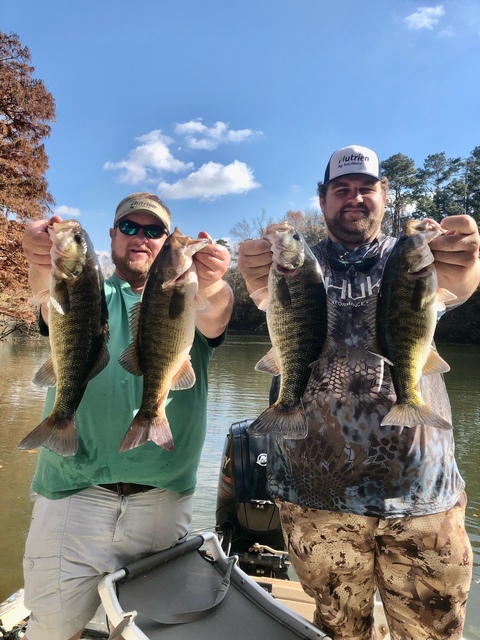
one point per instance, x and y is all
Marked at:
(261, 297)
(435, 364)
(129, 360)
(269, 363)
(185, 376)
(46, 376)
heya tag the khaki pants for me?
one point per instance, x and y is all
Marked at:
(74, 541)
(421, 565)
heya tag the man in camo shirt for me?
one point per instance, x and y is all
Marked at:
(365, 506)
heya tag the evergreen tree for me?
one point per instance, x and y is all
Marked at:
(432, 198)
(403, 181)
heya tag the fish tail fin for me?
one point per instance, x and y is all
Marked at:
(405, 415)
(60, 436)
(143, 429)
(291, 422)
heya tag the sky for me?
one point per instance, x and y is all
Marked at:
(230, 109)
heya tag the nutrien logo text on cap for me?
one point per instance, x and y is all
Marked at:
(345, 161)
(143, 203)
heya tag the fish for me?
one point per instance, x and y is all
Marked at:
(299, 315)
(405, 317)
(163, 329)
(78, 333)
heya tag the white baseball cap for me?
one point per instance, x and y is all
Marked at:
(353, 159)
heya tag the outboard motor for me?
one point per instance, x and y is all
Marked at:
(247, 519)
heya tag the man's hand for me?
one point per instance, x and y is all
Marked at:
(456, 256)
(36, 245)
(211, 262)
(254, 260)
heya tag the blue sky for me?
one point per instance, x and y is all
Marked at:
(227, 108)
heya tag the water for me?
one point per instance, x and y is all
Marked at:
(236, 392)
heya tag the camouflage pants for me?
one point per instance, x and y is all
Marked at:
(422, 567)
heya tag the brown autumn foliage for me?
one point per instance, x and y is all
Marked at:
(27, 110)
(14, 289)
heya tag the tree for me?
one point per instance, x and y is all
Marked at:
(245, 230)
(26, 111)
(402, 178)
(432, 197)
(464, 190)
(310, 223)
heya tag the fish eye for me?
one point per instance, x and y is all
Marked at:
(78, 238)
(296, 236)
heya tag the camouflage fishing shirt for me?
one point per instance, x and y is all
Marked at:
(348, 462)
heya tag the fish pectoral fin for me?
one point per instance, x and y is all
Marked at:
(435, 364)
(200, 303)
(60, 298)
(444, 296)
(129, 360)
(269, 363)
(261, 298)
(46, 376)
(43, 297)
(185, 376)
(102, 361)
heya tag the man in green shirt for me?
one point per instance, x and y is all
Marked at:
(101, 509)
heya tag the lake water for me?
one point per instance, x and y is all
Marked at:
(236, 392)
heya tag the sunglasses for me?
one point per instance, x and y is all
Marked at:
(344, 265)
(151, 231)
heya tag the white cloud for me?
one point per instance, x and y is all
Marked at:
(150, 161)
(425, 17)
(199, 136)
(313, 203)
(67, 212)
(211, 181)
(145, 162)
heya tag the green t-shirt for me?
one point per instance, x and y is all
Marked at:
(111, 400)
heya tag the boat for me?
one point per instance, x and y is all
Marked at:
(233, 582)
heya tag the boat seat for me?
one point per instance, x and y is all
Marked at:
(193, 591)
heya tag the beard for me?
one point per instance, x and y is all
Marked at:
(356, 232)
(131, 270)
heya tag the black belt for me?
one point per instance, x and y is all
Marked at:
(127, 488)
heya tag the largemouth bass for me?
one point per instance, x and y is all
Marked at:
(298, 317)
(78, 330)
(163, 329)
(406, 316)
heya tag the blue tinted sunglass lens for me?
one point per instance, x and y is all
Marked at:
(153, 231)
(129, 228)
